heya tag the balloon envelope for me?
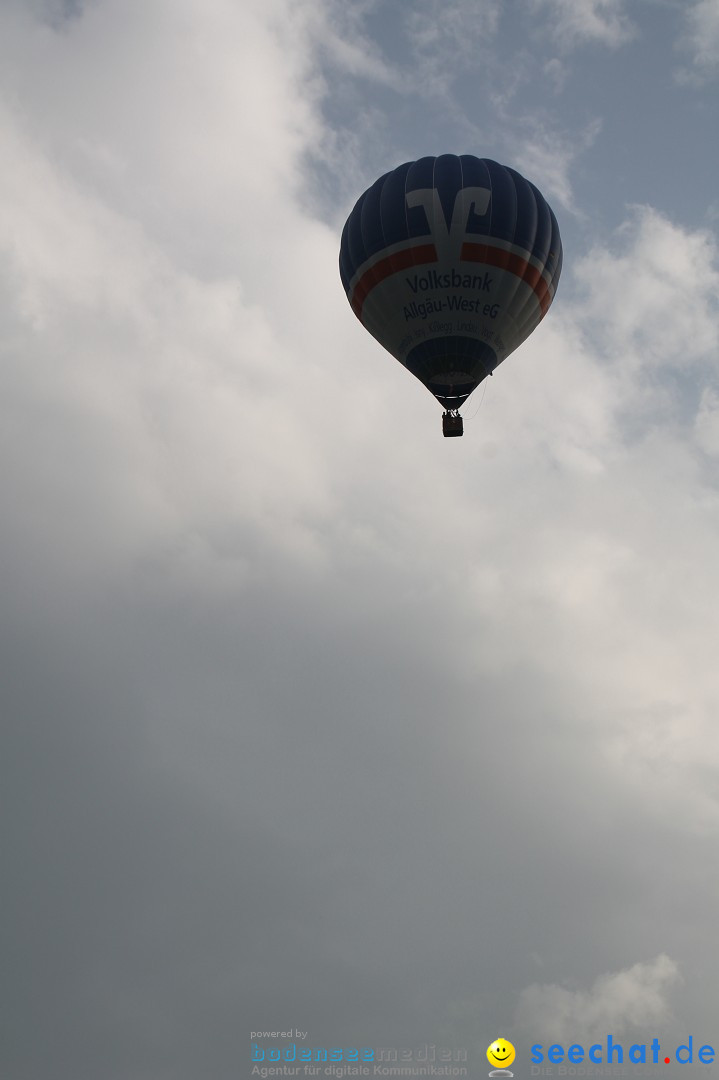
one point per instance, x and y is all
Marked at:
(450, 263)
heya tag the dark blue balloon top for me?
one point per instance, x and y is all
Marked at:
(518, 212)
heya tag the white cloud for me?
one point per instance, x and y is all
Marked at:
(447, 38)
(707, 422)
(574, 22)
(144, 264)
(701, 39)
(656, 303)
(631, 999)
(608, 560)
(158, 124)
(453, 29)
(556, 71)
(340, 31)
(547, 155)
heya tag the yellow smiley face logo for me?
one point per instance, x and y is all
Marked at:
(500, 1052)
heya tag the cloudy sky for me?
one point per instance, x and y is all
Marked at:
(310, 717)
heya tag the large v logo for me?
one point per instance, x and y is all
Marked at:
(449, 240)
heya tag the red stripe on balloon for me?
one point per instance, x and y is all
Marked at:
(427, 253)
(401, 260)
(515, 264)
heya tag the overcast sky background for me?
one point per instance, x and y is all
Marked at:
(311, 717)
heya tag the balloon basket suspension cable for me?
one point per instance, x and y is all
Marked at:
(452, 424)
(479, 406)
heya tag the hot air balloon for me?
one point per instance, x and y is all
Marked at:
(450, 263)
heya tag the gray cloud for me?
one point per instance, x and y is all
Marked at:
(309, 718)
